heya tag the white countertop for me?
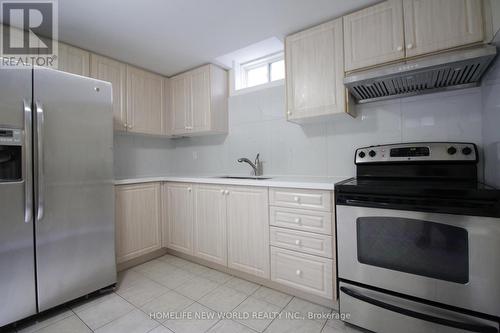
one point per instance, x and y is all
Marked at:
(316, 183)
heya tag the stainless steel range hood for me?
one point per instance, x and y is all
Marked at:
(450, 70)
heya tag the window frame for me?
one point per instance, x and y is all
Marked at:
(256, 63)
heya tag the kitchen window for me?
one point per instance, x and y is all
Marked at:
(262, 71)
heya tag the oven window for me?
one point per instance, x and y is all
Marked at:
(419, 247)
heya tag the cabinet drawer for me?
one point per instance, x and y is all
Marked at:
(305, 220)
(305, 199)
(309, 273)
(301, 241)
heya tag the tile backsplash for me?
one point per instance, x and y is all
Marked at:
(257, 124)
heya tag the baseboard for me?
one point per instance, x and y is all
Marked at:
(259, 280)
(140, 260)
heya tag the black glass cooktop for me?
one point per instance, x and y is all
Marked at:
(446, 196)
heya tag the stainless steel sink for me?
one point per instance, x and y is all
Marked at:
(244, 177)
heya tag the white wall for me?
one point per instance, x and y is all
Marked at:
(139, 156)
(257, 124)
(491, 122)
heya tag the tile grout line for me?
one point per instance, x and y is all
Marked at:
(281, 311)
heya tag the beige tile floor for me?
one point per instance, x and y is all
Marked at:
(195, 294)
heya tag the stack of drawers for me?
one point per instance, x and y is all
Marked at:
(302, 240)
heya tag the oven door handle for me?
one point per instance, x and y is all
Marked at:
(421, 316)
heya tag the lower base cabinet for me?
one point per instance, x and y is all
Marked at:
(178, 210)
(138, 220)
(227, 225)
(301, 271)
(210, 237)
(233, 226)
(248, 230)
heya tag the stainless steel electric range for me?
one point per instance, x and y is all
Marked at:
(418, 241)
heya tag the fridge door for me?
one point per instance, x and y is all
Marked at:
(17, 262)
(74, 196)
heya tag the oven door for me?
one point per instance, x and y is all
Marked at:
(450, 259)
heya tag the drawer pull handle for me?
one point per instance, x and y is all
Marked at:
(298, 272)
(297, 242)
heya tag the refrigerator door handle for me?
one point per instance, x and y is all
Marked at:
(28, 170)
(40, 164)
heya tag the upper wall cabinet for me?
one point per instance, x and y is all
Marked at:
(374, 35)
(106, 69)
(434, 25)
(146, 110)
(73, 60)
(198, 102)
(398, 29)
(315, 71)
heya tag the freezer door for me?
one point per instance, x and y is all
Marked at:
(17, 262)
(74, 196)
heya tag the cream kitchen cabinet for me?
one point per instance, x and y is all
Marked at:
(434, 25)
(400, 29)
(180, 109)
(138, 220)
(115, 72)
(179, 213)
(199, 102)
(374, 35)
(311, 274)
(314, 61)
(248, 230)
(146, 110)
(73, 60)
(227, 225)
(210, 238)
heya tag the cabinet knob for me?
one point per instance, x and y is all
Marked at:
(297, 220)
(130, 126)
(289, 113)
(125, 125)
(297, 242)
(296, 199)
(189, 189)
(227, 192)
(298, 272)
(400, 48)
(409, 46)
(222, 192)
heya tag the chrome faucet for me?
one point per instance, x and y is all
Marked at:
(256, 166)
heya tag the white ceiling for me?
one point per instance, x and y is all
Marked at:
(170, 36)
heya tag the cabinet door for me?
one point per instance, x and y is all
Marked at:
(106, 69)
(374, 35)
(315, 71)
(144, 102)
(210, 241)
(248, 230)
(434, 25)
(200, 99)
(180, 217)
(73, 60)
(180, 113)
(138, 223)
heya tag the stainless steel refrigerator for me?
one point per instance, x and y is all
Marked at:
(57, 239)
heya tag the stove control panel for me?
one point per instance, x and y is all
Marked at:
(419, 151)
